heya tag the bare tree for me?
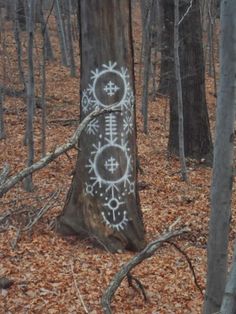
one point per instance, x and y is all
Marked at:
(3, 42)
(61, 33)
(30, 92)
(18, 45)
(70, 39)
(179, 93)
(222, 180)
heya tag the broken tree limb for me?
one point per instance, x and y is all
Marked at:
(4, 173)
(13, 180)
(147, 252)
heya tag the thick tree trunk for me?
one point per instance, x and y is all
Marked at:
(103, 200)
(223, 166)
(197, 137)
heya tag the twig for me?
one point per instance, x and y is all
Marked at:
(130, 279)
(42, 211)
(4, 173)
(147, 252)
(189, 263)
(186, 12)
(12, 181)
(77, 289)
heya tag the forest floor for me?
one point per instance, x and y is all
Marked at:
(51, 273)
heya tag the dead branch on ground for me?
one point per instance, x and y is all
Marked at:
(147, 252)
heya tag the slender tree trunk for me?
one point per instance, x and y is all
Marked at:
(228, 305)
(44, 29)
(103, 200)
(221, 191)
(70, 40)
(30, 94)
(197, 136)
(43, 101)
(18, 45)
(146, 65)
(3, 42)
(61, 34)
(166, 47)
(20, 13)
(179, 93)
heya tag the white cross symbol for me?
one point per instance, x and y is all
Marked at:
(111, 88)
(111, 164)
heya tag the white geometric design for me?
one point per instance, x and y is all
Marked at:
(110, 165)
(92, 127)
(111, 128)
(128, 124)
(122, 84)
(119, 225)
(86, 101)
(111, 88)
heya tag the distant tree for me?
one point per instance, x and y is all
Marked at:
(29, 136)
(61, 32)
(223, 167)
(197, 136)
(3, 45)
(20, 12)
(103, 199)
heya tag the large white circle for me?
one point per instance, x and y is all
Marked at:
(107, 72)
(99, 176)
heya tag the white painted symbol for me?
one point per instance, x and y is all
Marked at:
(111, 164)
(122, 85)
(95, 165)
(119, 224)
(111, 128)
(111, 88)
(128, 124)
(89, 189)
(86, 101)
(92, 127)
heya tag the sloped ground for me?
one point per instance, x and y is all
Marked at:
(51, 274)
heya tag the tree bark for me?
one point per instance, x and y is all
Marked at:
(30, 94)
(103, 200)
(221, 190)
(179, 93)
(228, 305)
(61, 34)
(197, 137)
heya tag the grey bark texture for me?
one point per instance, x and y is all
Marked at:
(221, 190)
(179, 93)
(61, 33)
(30, 94)
(197, 136)
(228, 305)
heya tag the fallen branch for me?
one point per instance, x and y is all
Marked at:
(42, 211)
(189, 264)
(12, 181)
(4, 173)
(147, 252)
